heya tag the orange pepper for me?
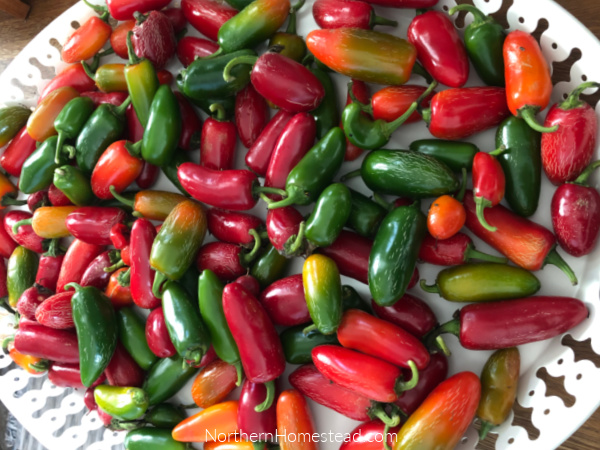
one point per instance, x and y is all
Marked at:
(118, 289)
(28, 362)
(118, 38)
(231, 444)
(153, 205)
(214, 383)
(48, 222)
(446, 217)
(86, 41)
(40, 125)
(210, 424)
(7, 188)
(294, 419)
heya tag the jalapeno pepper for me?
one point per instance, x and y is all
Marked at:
(17, 152)
(38, 170)
(219, 137)
(92, 224)
(488, 184)
(165, 415)
(40, 124)
(347, 14)
(207, 16)
(251, 115)
(410, 313)
(269, 266)
(124, 9)
(78, 257)
(456, 250)
(30, 364)
(95, 275)
(365, 215)
(293, 45)
(49, 267)
(157, 335)
(323, 292)
(12, 119)
(23, 234)
(350, 251)
(131, 334)
(166, 378)
(327, 113)
(21, 269)
(251, 421)
(209, 423)
(87, 40)
(124, 403)
(297, 345)
(227, 261)
(285, 302)
(234, 227)
(152, 439)
(213, 384)
(108, 77)
(190, 47)
(191, 124)
(56, 312)
(71, 120)
(260, 153)
(142, 82)
(116, 169)
(456, 155)
(73, 76)
(285, 230)
(295, 419)
(37, 340)
(74, 184)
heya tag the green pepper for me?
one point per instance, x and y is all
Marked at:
(123, 403)
(104, 126)
(314, 172)
(499, 381)
(484, 40)
(239, 4)
(20, 273)
(97, 332)
(365, 215)
(456, 155)
(203, 78)
(12, 119)
(186, 328)
(269, 266)
(352, 300)
(166, 378)
(74, 184)
(323, 292)
(407, 174)
(132, 334)
(38, 170)
(293, 45)
(142, 83)
(521, 163)
(483, 282)
(210, 293)
(71, 120)
(329, 215)
(297, 345)
(189, 281)
(394, 253)
(165, 415)
(153, 439)
(327, 114)
(108, 77)
(170, 169)
(228, 104)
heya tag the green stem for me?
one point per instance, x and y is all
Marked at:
(498, 151)
(120, 198)
(463, 187)
(402, 385)
(240, 372)
(379, 412)
(99, 9)
(6, 341)
(378, 20)
(582, 179)
(7, 307)
(420, 70)
(389, 127)
(69, 150)
(478, 16)
(11, 200)
(107, 52)
(573, 101)
(442, 345)
(59, 145)
(298, 240)
(472, 253)
(115, 266)
(528, 113)
(120, 110)
(74, 286)
(269, 190)
(124, 278)
(485, 428)
(555, 259)
(95, 63)
(247, 258)
(134, 149)
(433, 340)
(133, 58)
(88, 70)
(251, 60)
(159, 279)
(350, 175)
(40, 366)
(219, 110)
(377, 198)
(24, 222)
(270, 386)
(297, 6)
(364, 107)
(53, 248)
(480, 204)
(291, 28)
(432, 289)
(310, 329)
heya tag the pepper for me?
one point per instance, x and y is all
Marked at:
(352, 300)
(347, 14)
(227, 261)
(124, 403)
(364, 54)
(99, 98)
(369, 436)
(350, 252)
(234, 227)
(69, 375)
(251, 421)
(118, 289)
(330, 214)
(40, 124)
(142, 276)
(285, 230)
(78, 257)
(47, 343)
(153, 38)
(73, 76)
(117, 168)
(269, 266)
(142, 82)
(326, 114)
(410, 313)
(365, 214)
(96, 328)
(49, 222)
(147, 177)
(488, 184)
(87, 40)
(191, 124)
(122, 370)
(525, 243)
(92, 224)
(567, 151)
(57, 197)
(33, 202)
(74, 184)
(453, 404)
(213, 384)
(38, 169)
(293, 45)
(17, 152)
(219, 137)
(152, 439)
(460, 113)
(260, 153)
(297, 345)
(260, 350)
(521, 164)
(394, 254)
(132, 336)
(190, 47)
(71, 120)
(165, 415)
(153, 205)
(30, 364)
(55, 312)
(218, 420)
(251, 115)
(21, 269)
(456, 250)
(456, 155)
(49, 267)
(108, 77)
(24, 235)
(170, 170)
(95, 275)
(446, 216)
(166, 378)
(207, 16)
(124, 9)
(157, 335)
(250, 284)
(285, 302)
(295, 419)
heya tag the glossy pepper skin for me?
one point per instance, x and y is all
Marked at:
(347, 14)
(251, 115)
(391, 102)
(446, 217)
(456, 155)
(284, 301)
(40, 124)
(150, 438)
(165, 415)
(166, 378)
(77, 259)
(37, 340)
(249, 420)
(567, 151)
(71, 120)
(157, 335)
(132, 336)
(285, 230)
(24, 235)
(327, 113)
(365, 214)
(440, 48)
(116, 167)
(69, 375)
(293, 45)
(20, 272)
(49, 267)
(364, 54)
(191, 124)
(73, 76)
(95, 275)
(233, 227)
(330, 214)
(124, 9)
(55, 312)
(227, 261)
(350, 251)
(219, 137)
(142, 83)
(297, 346)
(260, 153)
(269, 266)
(153, 205)
(190, 46)
(74, 185)
(92, 224)
(13, 118)
(453, 403)
(207, 16)
(521, 164)
(142, 276)
(217, 419)
(410, 313)
(453, 251)
(124, 403)
(17, 152)
(213, 384)
(488, 185)
(38, 169)
(369, 436)
(294, 417)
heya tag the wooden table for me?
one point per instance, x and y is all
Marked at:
(15, 34)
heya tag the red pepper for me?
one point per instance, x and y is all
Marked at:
(191, 47)
(122, 370)
(456, 250)
(191, 125)
(73, 76)
(116, 169)
(120, 235)
(95, 273)
(360, 92)
(347, 14)
(234, 227)
(15, 154)
(176, 17)
(30, 299)
(567, 151)
(260, 349)
(157, 335)
(283, 230)
(207, 16)
(525, 243)
(250, 283)
(369, 436)
(57, 197)
(78, 257)
(392, 102)
(148, 176)
(350, 252)
(411, 4)
(154, 39)
(361, 331)
(92, 224)
(135, 130)
(251, 114)
(440, 48)
(410, 313)
(208, 358)
(118, 289)
(219, 136)
(284, 301)
(375, 379)
(429, 379)
(142, 275)
(575, 212)
(227, 261)
(55, 312)
(124, 9)
(7, 243)
(488, 184)
(69, 375)
(25, 235)
(100, 98)
(37, 200)
(296, 139)
(118, 38)
(250, 421)
(460, 113)
(47, 343)
(86, 41)
(259, 154)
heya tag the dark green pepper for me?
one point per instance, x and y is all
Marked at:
(329, 215)
(314, 172)
(71, 120)
(394, 253)
(189, 281)
(352, 300)
(184, 323)
(210, 293)
(132, 333)
(269, 266)
(12, 119)
(239, 4)
(365, 215)
(484, 40)
(153, 439)
(407, 174)
(323, 292)
(165, 415)
(123, 403)
(74, 184)
(97, 332)
(297, 345)
(166, 378)
(456, 155)
(483, 282)
(293, 45)
(521, 163)
(142, 83)
(20, 273)
(170, 169)
(38, 170)
(327, 113)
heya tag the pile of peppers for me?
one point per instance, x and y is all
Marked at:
(129, 293)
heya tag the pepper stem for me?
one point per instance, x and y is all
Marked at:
(133, 58)
(99, 9)
(442, 345)
(420, 70)
(389, 127)
(6, 341)
(463, 187)
(115, 266)
(75, 286)
(378, 20)
(134, 149)
(69, 150)
(498, 151)
(219, 111)
(433, 340)
(350, 175)
(478, 16)
(291, 199)
(573, 101)
(247, 258)
(291, 28)
(270, 386)
(59, 145)
(432, 289)
(53, 248)
(124, 278)
(480, 204)
(582, 179)
(24, 222)
(472, 253)
(269, 190)
(485, 429)
(120, 198)
(402, 385)
(377, 198)
(10, 199)
(120, 110)
(364, 107)
(240, 372)
(555, 259)
(296, 245)
(528, 113)
(88, 70)
(40, 366)
(309, 329)
(234, 62)
(378, 412)
(159, 279)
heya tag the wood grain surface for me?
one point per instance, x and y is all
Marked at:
(15, 34)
